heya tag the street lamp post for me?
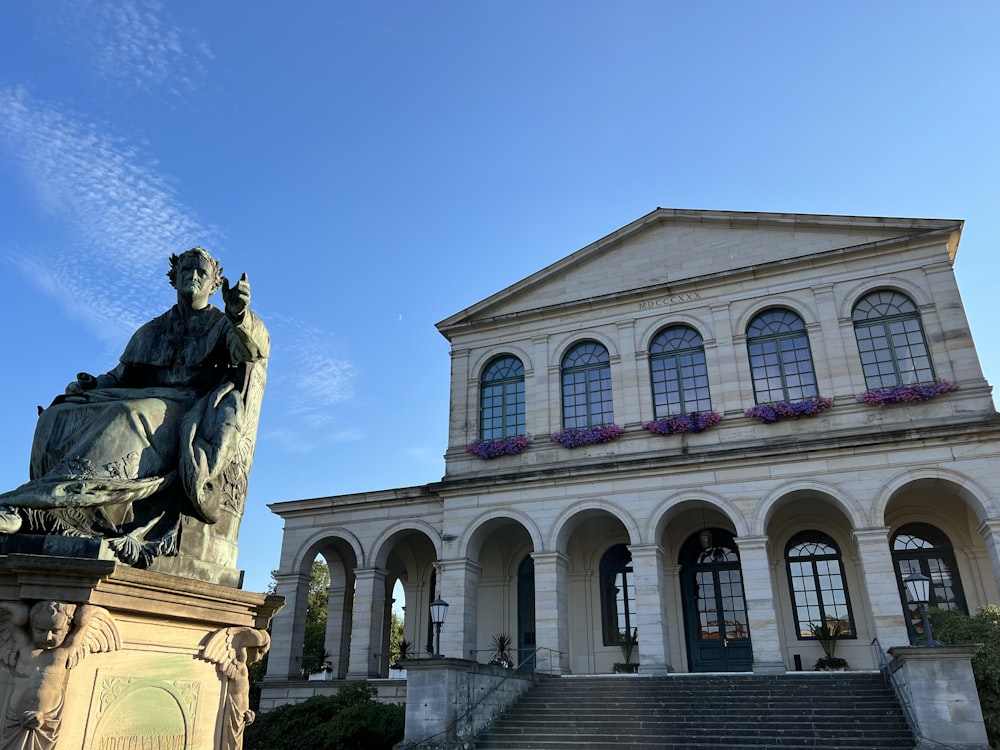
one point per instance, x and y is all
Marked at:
(918, 588)
(439, 611)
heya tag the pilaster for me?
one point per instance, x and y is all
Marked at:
(458, 584)
(551, 612)
(366, 629)
(762, 618)
(285, 658)
(651, 620)
(990, 531)
(880, 584)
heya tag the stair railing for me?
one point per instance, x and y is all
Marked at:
(529, 659)
(898, 686)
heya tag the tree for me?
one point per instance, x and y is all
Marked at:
(313, 648)
(396, 649)
(954, 627)
(314, 651)
(351, 720)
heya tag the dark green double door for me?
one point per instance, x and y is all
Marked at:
(715, 615)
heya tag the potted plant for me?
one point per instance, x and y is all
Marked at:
(403, 650)
(502, 655)
(627, 642)
(827, 637)
(321, 669)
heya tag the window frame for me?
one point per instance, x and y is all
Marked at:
(660, 368)
(943, 552)
(795, 335)
(596, 411)
(616, 560)
(892, 350)
(507, 400)
(813, 536)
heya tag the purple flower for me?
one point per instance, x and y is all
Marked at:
(695, 421)
(487, 449)
(902, 394)
(769, 413)
(574, 437)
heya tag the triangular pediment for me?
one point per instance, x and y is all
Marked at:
(668, 247)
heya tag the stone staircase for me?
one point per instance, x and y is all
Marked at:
(833, 711)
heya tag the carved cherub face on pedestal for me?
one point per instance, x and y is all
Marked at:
(40, 645)
(50, 623)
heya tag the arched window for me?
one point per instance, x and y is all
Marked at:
(617, 594)
(501, 396)
(891, 340)
(780, 359)
(678, 373)
(816, 579)
(921, 548)
(586, 386)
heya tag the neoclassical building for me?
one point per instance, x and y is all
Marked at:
(773, 419)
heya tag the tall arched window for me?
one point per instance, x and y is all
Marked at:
(501, 396)
(921, 548)
(891, 340)
(617, 594)
(586, 386)
(780, 358)
(816, 579)
(678, 372)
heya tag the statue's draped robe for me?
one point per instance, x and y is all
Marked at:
(167, 425)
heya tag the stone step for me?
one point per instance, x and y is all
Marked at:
(692, 712)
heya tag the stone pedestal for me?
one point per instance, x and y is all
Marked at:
(450, 701)
(160, 663)
(941, 691)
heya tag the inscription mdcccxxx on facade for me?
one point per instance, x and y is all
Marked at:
(668, 300)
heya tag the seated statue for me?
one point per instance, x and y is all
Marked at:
(168, 434)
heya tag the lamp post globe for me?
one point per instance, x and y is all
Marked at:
(439, 612)
(918, 589)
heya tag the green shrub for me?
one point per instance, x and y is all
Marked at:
(351, 720)
(955, 627)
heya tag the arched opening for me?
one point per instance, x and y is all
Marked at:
(715, 615)
(922, 548)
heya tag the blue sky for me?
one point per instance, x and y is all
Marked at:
(376, 167)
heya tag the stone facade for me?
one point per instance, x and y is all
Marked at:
(811, 520)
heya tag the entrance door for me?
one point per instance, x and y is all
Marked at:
(715, 615)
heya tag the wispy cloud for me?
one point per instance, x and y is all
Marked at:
(303, 440)
(124, 218)
(132, 44)
(125, 221)
(320, 379)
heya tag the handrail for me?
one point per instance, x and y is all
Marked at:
(472, 707)
(898, 686)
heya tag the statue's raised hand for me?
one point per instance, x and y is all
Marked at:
(84, 382)
(237, 298)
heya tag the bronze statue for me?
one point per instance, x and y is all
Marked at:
(40, 645)
(168, 433)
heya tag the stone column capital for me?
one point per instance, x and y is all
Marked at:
(463, 564)
(644, 551)
(550, 558)
(753, 544)
(872, 534)
(370, 574)
(990, 527)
